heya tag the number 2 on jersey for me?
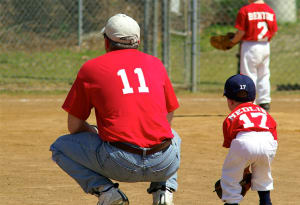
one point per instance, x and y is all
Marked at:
(248, 123)
(127, 89)
(264, 30)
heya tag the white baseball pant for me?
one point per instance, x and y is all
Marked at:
(248, 148)
(254, 62)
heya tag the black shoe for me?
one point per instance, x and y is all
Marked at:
(265, 106)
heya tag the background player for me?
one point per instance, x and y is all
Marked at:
(256, 24)
(134, 103)
(250, 134)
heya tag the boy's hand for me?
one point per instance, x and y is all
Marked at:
(245, 183)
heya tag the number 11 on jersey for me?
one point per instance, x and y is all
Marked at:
(127, 89)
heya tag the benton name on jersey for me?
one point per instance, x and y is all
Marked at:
(260, 16)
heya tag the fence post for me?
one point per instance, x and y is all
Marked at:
(79, 22)
(187, 43)
(146, 26)
(194, 47)
(165, 33)
(155, 25)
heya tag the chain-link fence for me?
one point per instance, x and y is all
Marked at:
(43, 43)
(218, 16)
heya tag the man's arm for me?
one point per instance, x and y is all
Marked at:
(170, 117)
(76, 125)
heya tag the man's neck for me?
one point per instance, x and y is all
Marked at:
(258, 2)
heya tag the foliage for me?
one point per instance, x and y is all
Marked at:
(221, 12)
(62, 16)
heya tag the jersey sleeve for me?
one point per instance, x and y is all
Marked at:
(273, 127)
(241, 20)
(171, 99)
(77, 102)
(273, 28)
(226, 133)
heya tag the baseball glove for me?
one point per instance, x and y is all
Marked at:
(245, 183)
(222, 42)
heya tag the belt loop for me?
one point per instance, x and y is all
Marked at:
(144, 153)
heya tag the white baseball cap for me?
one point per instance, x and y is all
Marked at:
(122, 29)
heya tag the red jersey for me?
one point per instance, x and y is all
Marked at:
(131, 94)
(247, 117)
(258, 21)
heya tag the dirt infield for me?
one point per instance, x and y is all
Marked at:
(30, 124)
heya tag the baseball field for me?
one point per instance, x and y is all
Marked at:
(30, 123)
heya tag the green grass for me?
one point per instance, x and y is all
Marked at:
(41, 70)
(216, 66)
(54, 71)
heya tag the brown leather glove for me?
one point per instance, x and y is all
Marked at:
(245, 183)
(222, 42)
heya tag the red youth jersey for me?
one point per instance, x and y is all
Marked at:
(247, 117)
(258, 21)
(131, 94)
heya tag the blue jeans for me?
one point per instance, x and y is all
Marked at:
(93, 162)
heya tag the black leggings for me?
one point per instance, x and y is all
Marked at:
(264, 198)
